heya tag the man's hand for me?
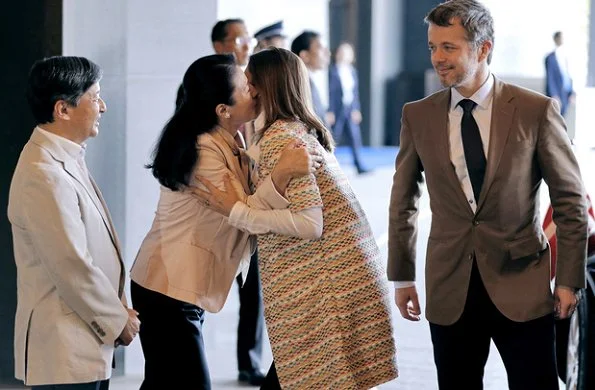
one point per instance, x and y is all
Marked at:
(356, 116)
(408, 303)
(330, 118)
(565, 301)
(221, 201)
(131, 329)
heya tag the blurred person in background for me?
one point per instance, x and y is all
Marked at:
(310, 48)
(344, 104)
(272, 35)
(558, 82)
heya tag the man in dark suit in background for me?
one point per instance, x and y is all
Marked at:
(485, 148)
(343, 86)
(558, 83)
(231, 36)
(309, 47)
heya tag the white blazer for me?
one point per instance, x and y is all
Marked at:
(191, 253)
(70, 274)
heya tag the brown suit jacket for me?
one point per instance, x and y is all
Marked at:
(528, 143)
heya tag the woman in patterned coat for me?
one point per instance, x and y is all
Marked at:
(326, 296)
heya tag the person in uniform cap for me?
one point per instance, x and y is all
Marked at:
(271, 35)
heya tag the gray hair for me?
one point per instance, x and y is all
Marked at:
(475, 18)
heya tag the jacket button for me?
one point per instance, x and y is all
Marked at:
(470, 256)
(475, 222)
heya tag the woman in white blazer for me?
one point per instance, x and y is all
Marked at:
(190, 257)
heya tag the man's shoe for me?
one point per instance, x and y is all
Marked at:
(253, 378)
(363, 170)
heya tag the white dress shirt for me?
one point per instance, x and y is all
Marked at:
(482, 113)
(347, 83)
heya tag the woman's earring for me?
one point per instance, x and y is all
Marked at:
(227, 116)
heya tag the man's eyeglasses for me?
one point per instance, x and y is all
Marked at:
(241, 41)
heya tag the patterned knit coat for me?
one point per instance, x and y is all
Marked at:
(327, 300)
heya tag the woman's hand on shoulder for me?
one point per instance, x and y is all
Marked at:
(297, 160)
(221, 201)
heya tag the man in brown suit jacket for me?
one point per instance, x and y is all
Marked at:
(484, 147)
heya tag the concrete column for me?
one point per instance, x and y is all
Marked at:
(144, 48)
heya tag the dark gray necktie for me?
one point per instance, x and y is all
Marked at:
(473, 147)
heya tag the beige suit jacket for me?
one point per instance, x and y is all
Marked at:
(69, 270)
(191, 252)
(528, 144)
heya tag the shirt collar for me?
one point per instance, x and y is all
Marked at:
(228, 138)
(73, 149)
(482, 97)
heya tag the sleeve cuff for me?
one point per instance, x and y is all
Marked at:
(236, 214)
(274, 199)
(404, 284)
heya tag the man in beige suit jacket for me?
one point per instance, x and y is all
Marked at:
(71, 309)
(484, 147)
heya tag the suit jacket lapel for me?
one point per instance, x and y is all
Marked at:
(92, 190)
(241, 171)
(439, 130)
(501, 123)
(73, 169)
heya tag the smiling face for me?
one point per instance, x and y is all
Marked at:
(458, 63)
(83, 119)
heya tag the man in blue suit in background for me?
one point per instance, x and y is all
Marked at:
(558, 83)
(344, 102)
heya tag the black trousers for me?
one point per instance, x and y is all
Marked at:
(98, 385)
(344, 127)
(271, 381)
(251, 322)
(461, 350)
(171, 339)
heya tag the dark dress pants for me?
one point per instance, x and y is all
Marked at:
(171, 339)
(344, 127)
(251, 322)
(461, 350)
(98, 385)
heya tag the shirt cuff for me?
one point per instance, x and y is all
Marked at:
(237, 214)
(404, 284)
(271, 196)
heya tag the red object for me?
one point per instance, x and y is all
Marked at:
(549, 227)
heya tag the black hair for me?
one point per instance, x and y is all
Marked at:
(219, 31)
(303, 41)
(207, 83)
(59, 78)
